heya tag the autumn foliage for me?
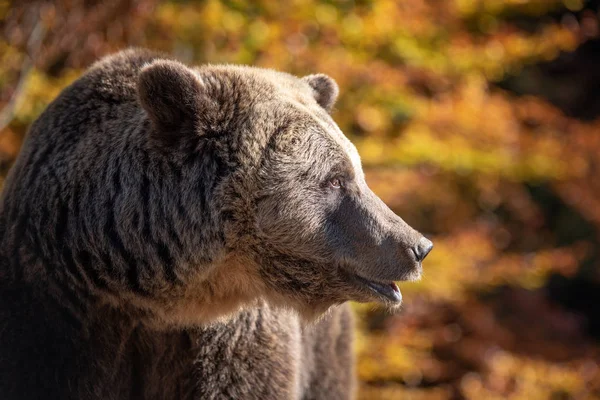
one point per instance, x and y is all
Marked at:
(478, 123)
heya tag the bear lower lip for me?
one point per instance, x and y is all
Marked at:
(388, 290)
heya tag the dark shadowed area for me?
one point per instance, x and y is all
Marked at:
(478, 122)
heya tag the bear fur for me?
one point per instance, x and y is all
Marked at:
(165, 225)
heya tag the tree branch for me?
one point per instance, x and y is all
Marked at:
(33, 45)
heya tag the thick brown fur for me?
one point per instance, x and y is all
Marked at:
(156, 208)
(268, 354)
(261, 354)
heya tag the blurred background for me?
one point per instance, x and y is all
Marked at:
(478, 122)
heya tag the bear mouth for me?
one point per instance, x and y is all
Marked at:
(389, 291)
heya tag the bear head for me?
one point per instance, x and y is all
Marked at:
(300, 226)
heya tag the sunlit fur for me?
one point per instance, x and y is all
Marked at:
(151, 198)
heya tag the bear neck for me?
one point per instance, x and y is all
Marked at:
(126, 226)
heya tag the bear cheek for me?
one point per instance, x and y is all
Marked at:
(273, 224)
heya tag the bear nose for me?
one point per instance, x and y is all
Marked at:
(422, 249)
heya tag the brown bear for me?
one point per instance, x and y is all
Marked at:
(266, 353)
(155, 208)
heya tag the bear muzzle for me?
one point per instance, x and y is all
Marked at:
(376, 248)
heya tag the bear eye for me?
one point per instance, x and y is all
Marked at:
(335, 183)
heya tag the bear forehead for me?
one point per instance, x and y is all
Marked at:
(287, 99)
(310, 121)
(335, 134)
(261, 84)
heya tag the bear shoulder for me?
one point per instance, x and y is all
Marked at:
(114, 77)
(328, 357)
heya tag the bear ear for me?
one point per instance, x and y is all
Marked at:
(171, 93)
(324, 89)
